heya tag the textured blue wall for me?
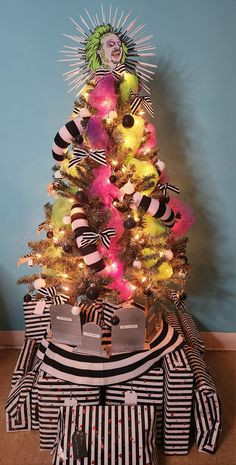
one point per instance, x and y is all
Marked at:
(194, 95)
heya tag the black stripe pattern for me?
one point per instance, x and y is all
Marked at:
(80, 154)
(36, 324)
(156, 208)
(52, 393)
(138, 100)
(117, 72)
(125, 435)
(91, 237)
(65, 136)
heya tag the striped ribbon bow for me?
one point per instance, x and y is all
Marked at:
(79, 154)
(177, 301)
(141, 99)
(51, 292)
(165, 187)
(117, 72)
(91, 237)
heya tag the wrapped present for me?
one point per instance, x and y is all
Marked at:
(37, 318)
(207, 410)
(105, 435)
(20, 403)
(25, 360)
(178, 395)
(183, 322)
(52, 393)
(146, 389)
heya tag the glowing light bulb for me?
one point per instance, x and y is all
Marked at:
(81, 265)
(114, 162)
(62, 232)
(71, 200)
(137, 236)
(114, 266)
(66, 288)
(64, 275)
(144, 279)
(133, 287)
(38, 255)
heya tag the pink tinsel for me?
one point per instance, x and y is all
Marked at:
(103, 97)
(97, 134)
(151, 142)
(102, 187)
(187, 219)
(164, 177)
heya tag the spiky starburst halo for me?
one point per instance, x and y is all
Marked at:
(136, 47)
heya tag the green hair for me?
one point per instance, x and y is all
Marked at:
(94, 43)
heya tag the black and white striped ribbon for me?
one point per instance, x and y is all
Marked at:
(165, 187)
(91, 237)
(51, 292)
(156, 208)
(141, 99)
(79, 154)
(177, 301)
(117, 72)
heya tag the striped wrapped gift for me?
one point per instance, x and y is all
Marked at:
(19, 404)
(25, 360)
(207, 410)
(183, 322)
(36, 324)
(149, 390)
(178, 393)
(117, 434)
(52, 393)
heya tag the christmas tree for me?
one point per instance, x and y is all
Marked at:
(115, 229)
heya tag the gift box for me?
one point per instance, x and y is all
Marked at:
(178, 395)
(106, 435)
(24, 417)
(146, 389)
(207, 409)
(52, 393)
(36, 322)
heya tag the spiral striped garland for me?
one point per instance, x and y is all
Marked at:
(156, 208)
(89, 252)
(67, 134)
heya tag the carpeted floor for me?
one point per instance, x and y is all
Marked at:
(23, 448)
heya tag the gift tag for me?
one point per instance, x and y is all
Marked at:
(39, 307)
(70, 402)
(130, 398)
(79, 445)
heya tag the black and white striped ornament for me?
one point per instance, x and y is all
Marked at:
(79, 223)
(156, 208)
(67, 134)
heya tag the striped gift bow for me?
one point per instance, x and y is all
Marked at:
(91, 237)
(51, 292)
(141, 99)
(177, 301)
(79, 154)
(117, 72)
(166, 186)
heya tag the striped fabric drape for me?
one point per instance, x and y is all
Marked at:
(60, 361)
(122, 435)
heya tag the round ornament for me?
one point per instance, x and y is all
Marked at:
(153, 226)
(184, 259)
(160, 165)
(75, 310)
(113, 179)
(66, 219)
(183, 296)
(142, 169)
(27, 298)
(58, 174)
(39, 282)
(130, 82)
(165, 271)
(81, 196)
(137, 264)
(128, 121)
(92, 292)
(115, 320)
(67, 248)
(168, 254)
(49, 234)
(130, 223)
(150, 262)
(128, 188)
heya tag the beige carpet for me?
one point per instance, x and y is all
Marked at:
(23, 448)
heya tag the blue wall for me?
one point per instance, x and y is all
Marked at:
(194, 95)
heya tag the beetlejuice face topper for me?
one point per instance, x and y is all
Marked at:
(105, 43)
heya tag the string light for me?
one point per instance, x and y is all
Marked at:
(137, 236)
(38, 255)
(71, 200)
(144, 279)
(66, 288)
(114, 162)
(81, 265)
(133, 287)
(124, 169)
(64, 275)
(62, 232)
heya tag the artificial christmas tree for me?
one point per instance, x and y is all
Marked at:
(113, 258)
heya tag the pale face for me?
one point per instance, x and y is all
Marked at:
(111, 51)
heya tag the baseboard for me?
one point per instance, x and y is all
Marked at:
(213, 341)
(11, 339)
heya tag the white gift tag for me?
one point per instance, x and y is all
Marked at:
(70, 402)
(39, 307)
(130, 398)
